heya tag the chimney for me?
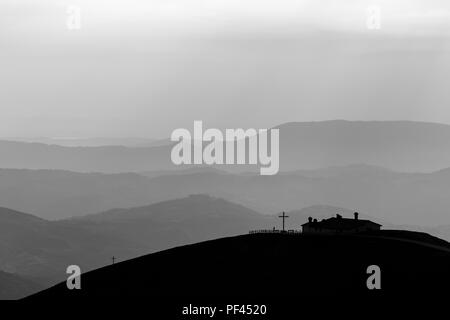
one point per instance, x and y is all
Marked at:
(356, 215)
(309, 219)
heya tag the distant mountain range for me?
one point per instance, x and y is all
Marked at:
(89, 142)
(397, 145)
(86, 204)
(401, 198)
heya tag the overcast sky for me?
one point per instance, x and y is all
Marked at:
(144, 68)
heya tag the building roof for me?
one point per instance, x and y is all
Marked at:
(340, 223)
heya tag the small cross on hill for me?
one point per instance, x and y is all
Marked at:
(283, 216)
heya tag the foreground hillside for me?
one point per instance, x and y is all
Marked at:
(275, 265)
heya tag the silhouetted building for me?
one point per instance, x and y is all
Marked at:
(339, 224)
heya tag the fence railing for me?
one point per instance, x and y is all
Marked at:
(293, 232)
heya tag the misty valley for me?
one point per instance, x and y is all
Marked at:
(224, 159)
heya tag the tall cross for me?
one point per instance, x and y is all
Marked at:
(283, 216)
(113, 259)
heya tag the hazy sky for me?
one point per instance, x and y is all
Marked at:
(144, 68)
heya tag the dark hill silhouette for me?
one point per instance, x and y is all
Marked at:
(275, 265)
(42, 249)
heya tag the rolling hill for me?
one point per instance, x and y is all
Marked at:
(37, 248)
(275, 265)
(41, 250)
(14, 287)
(174, 222)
